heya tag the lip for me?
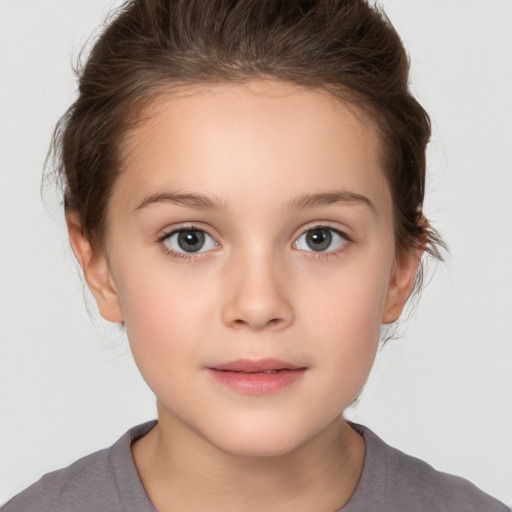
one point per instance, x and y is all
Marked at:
(257, 377)
(255, 365)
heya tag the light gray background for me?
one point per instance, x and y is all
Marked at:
(442, 392)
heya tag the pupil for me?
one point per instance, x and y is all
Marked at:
(319, 239)
(191, 241)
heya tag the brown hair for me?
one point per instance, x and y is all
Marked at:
(345, 47)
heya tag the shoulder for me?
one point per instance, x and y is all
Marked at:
(404, 482)
(67, 486)
(441, 491)
(96, 482)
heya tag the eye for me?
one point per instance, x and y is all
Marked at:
(189, 241)
(321, 239)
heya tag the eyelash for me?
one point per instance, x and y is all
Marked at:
(327, 254)
(174, 255)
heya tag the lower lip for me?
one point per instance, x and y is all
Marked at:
(257, 383)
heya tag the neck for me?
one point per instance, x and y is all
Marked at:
(321, 474)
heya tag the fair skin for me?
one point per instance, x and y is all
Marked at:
(282, 168)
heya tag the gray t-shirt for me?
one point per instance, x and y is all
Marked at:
(107, 481)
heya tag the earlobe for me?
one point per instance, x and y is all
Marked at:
(401, 283)
(96, 271)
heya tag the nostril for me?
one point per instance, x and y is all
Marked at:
(273, 322)
(255, 310)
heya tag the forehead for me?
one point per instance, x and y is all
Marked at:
(237, 139)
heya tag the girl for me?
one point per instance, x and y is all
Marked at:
(243, 187)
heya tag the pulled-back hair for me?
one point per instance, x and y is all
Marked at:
(345, 47)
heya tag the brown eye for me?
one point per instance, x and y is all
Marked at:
(321, 239)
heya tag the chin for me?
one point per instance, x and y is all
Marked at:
(259, 440)
(263, 447)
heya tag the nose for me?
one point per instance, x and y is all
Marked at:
(257, 296)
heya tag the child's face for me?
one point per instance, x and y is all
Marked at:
(287, 253)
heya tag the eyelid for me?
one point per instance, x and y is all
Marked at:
(187, 226)
(324, 225)
(328, 227)
(192, 226)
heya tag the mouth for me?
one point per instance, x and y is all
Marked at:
(257, 377)
(255, 366)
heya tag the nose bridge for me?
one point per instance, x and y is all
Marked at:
(257, 293)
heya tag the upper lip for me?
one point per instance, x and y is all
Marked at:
(255, 365)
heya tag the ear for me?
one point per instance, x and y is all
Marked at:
(96, 270)
(401, 283)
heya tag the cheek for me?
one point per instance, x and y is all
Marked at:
(344, 313)
(161, 311)
(348, 299)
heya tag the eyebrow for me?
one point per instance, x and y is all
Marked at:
(342, 196)
(203, 202)
(189, 200)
